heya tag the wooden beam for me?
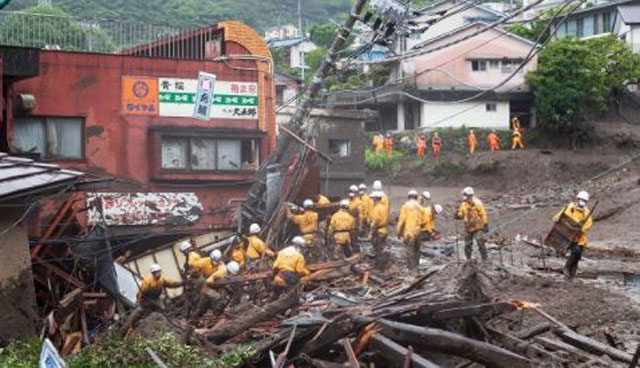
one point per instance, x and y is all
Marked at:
(536, 330)
(305, 143)
(593, 346)
(474, 310)
(58, 272)
(394, 353)
(453, 344)
(570, 349)
(353, 360)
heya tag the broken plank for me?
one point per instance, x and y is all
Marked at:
(453, 344)
(234, 327)
(474, 310)
(536, 330)
(519, 346)
(593, 346)
(333, 332)
(353, 360)
(572, 350)
(419, 281)
(393, 353)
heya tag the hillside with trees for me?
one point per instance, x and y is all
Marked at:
(259, 14)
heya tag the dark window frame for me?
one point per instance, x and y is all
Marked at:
(46, 156)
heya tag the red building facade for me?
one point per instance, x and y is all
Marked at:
(129, 117)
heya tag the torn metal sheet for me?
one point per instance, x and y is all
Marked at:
(136, 209)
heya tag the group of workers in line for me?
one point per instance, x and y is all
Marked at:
(385, 143)
(363, 215)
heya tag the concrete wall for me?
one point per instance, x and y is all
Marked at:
(17, 295)
(470, 114)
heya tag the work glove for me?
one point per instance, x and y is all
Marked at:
(486, 228)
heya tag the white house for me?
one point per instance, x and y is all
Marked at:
(281, 32)
(296, 50)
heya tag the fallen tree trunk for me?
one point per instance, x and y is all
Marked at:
(395, 353)
(234, 327)
(593, 346)
(453, 344)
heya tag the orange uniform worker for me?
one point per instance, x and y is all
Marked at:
(408, 228)
(388, 144)
(516, 140)
(493, 140)
(421, 145)
(341, 228)
(471, 139)
(378, 143)
(436, 144)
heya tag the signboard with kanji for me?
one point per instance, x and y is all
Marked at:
(231, 100)
(140, 96)
(204, 96)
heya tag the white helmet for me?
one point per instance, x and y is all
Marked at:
(438, 208)
(307, 203)
(233, 267)
(254, 228)
(412, 193)
(362, 187)
(468, 192)
(215, 254)
(376, 194)
(426, 195)
(185, 245)
(155, 268)
(583, 196)
(377, 185)
(344, 203)
(299, 241)
(353, 188)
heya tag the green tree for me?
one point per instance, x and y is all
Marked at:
(576, 77)
(44, 26)
(323, 34)
(537, 29)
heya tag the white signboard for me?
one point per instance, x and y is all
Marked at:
(231, 100)
(49, 357)
(204, 96)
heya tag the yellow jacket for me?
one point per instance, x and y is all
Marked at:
(150, 287)
(516, 134)
(292, 261)
(366, 206)
(378, 143)
(385, 201)
(341, 225)
(580, 216)
(256, 247)
(221, 272)
(206, 266)
(355, 206)
(307, 221)
(410, 220)
(473, 215)
(238, 255)
(192, 259)
(323, 200)
(428, 219)
(379, 218)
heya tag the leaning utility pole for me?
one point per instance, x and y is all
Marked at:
(254, 208)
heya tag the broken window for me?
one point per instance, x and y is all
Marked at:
(340, 147)
(53, 138)
(209, 154)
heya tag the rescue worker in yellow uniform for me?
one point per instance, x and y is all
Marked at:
(579, 213)
(516, 139)
(307, 222)
(149, 297)
(377, 187)
(238, 251)
(207, 266)
(408, 228)
(255, 249)
(341, 228)
(378, 219)
(427, 227)
(476, 222)
(289, 266)
(378, 143)
(366, 205)
(212, 296)
(356, 210)
(191, 256)
(191, 269)
(321, 199)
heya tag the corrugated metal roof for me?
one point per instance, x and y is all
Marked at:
(21, 176)
(630, 14)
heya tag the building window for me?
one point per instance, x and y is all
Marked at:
(340, 147)
(494, 64)
(491, 107)
(208, 154)
(589, 26)
(506, 67)
(478, 65)
(572, 28)
(52, 138)
(580, 26)
(606, 23)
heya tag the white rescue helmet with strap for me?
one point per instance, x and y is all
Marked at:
(233, 267)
